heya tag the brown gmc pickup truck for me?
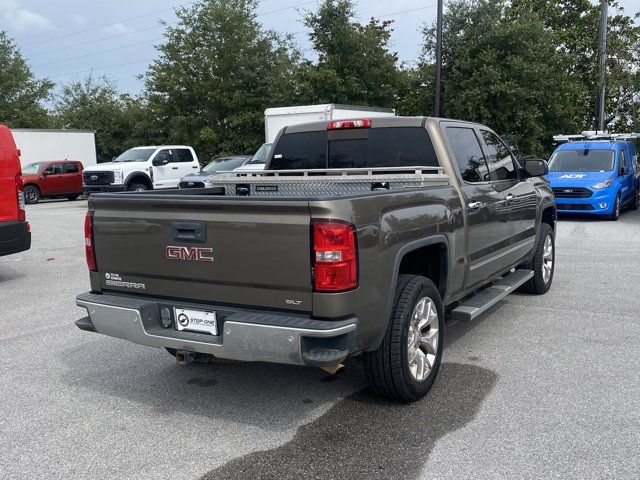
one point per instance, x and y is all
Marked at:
(359, 238)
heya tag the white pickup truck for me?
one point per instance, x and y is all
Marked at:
(142, 168)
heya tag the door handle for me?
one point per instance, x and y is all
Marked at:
(194, 167)
(509, 198)
(475, 205)
(174, 168)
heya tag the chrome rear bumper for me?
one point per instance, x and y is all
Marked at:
(244, 335)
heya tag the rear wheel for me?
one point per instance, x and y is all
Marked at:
(31, 194)
(73, 197)
(543, 263)
(137, 187)
(406, 364)
(615, 215)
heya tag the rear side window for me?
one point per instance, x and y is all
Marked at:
(306, 150)
(365, 148)
(71, 167)
(468, 154)
(184, 155)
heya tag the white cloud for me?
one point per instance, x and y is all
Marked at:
(77, 19)
(21, 19)
(115, 29)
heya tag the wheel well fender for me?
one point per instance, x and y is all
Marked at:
(408, 261)
(31, 184)
(138, 177)
(549, 216)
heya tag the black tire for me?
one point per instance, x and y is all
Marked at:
(634, 201)
(137, 187)
(73, 197)
(615, 215)
(537, 285)
(31, 194)
(387, 368)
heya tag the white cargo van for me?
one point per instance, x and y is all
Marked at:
(275, 119)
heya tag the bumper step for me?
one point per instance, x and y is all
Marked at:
(324, 356)
(474, 306)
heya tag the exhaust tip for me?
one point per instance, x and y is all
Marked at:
(335, 369)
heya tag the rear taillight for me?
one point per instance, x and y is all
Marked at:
(20, 198)
(335, 256)
(346, 124)
(88, 242)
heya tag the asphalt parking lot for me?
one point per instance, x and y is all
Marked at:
(539, 387)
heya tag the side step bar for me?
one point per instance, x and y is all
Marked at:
(487, 298)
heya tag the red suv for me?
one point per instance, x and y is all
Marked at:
(15, 234)
(52, 179)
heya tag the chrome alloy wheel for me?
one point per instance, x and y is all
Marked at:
(31, 194)
(547, 259)
(422, 339)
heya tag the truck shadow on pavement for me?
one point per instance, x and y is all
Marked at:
(364, 436)
(270, 396)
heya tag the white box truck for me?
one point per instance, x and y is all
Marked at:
(275, 119)
(44, 145)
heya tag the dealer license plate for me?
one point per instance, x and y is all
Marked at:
(195, 320)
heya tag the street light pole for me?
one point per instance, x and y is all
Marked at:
(602, 62)
(438, 59)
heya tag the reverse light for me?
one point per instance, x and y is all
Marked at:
(335, 258)
(88, 242)
(118, 177)
(605, 184)
(20, 198)
(347, 124)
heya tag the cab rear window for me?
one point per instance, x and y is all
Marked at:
(360, 148)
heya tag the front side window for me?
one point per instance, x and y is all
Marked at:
(54, 169)
(499, 158)
(468, 154)
(621, 162)
(165, 156)
(581, 160)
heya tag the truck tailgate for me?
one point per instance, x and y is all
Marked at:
(205, 248)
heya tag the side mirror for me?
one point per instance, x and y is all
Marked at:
(623, 170)
(536, 167)
(113, 158)
(159, 161)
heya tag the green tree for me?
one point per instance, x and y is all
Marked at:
(506, 72)
(354, 63)
(21, 94)
(574, 26)
(217, 71)
(96, 104)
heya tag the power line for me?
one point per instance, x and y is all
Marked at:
(31, 55)
(99, 51)
(135, 31)
(77, 32)
(101, 68)
(148, 41)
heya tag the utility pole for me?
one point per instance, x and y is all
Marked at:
(438, 59)
(602, 62)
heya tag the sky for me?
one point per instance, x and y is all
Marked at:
(67, 39)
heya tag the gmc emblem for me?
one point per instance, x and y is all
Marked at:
(196, 254)
(568, 191)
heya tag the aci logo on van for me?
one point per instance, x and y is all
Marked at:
(196, 254)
